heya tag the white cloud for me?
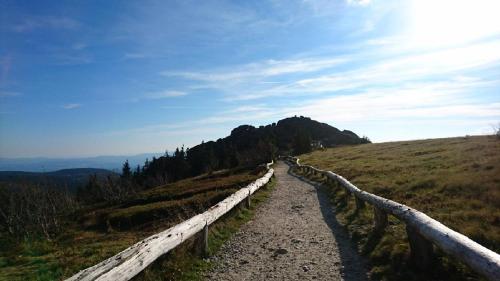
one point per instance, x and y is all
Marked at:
(249, 108)
(165, 94)
(393, 71)
(417, 101)
(359, 2)
(328, 74)
(261, 70)
(71, 106)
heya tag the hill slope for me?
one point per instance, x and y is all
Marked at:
(96, 232)
(246, 146)
(453, 180)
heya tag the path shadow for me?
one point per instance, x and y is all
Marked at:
(353, 265)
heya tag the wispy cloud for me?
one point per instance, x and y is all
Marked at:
(164, 94)
(323, 76)
(71, 106)
(5, 66)
(33, 23)
(134, 56)
(359, 2)
(424, 100)
(249, 108)
(61, 58)
(231, 117)
(260, 70)
(4, 94)
(79, 46)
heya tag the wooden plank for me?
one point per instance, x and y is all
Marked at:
(131, 261)
(461, 247)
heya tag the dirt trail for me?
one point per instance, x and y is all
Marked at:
(293, 236)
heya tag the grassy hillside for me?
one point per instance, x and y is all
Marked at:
(453, 180)
(98, 232)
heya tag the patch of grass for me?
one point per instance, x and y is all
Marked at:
(168, 203)
(99, 232)
(455, 181)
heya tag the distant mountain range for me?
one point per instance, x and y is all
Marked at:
(41, 164)
(67, 178)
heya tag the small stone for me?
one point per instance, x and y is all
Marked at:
(305, 268)
(281, 251)
(295, 240)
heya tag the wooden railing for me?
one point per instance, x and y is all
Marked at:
(422, 230)
(131, 261)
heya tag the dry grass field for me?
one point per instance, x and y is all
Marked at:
(453, 180)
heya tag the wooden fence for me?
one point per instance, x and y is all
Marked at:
(131, 261)
(423, 231)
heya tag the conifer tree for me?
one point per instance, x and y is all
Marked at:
(126, 171)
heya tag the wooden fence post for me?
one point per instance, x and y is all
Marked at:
(336, 185)
(347, 196)
(248, 200)
(202, 242)
(380, 218)
(360, 204)
(422, 251)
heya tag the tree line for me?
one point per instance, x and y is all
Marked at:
(32, 210)
(246, 146)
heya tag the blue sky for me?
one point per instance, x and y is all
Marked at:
(85, 78)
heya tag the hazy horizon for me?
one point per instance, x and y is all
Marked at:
(487, 131)
(100, 78)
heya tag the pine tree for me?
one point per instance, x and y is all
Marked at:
(301, 143)
(126, 171)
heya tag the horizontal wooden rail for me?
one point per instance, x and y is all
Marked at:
(422, 230)
(131, 261)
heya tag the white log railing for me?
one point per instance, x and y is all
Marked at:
(423, 231)
(131, 261)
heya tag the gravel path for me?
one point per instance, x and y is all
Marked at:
(293, 236)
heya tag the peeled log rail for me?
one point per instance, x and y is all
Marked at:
(420, 226)
(131, 261)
